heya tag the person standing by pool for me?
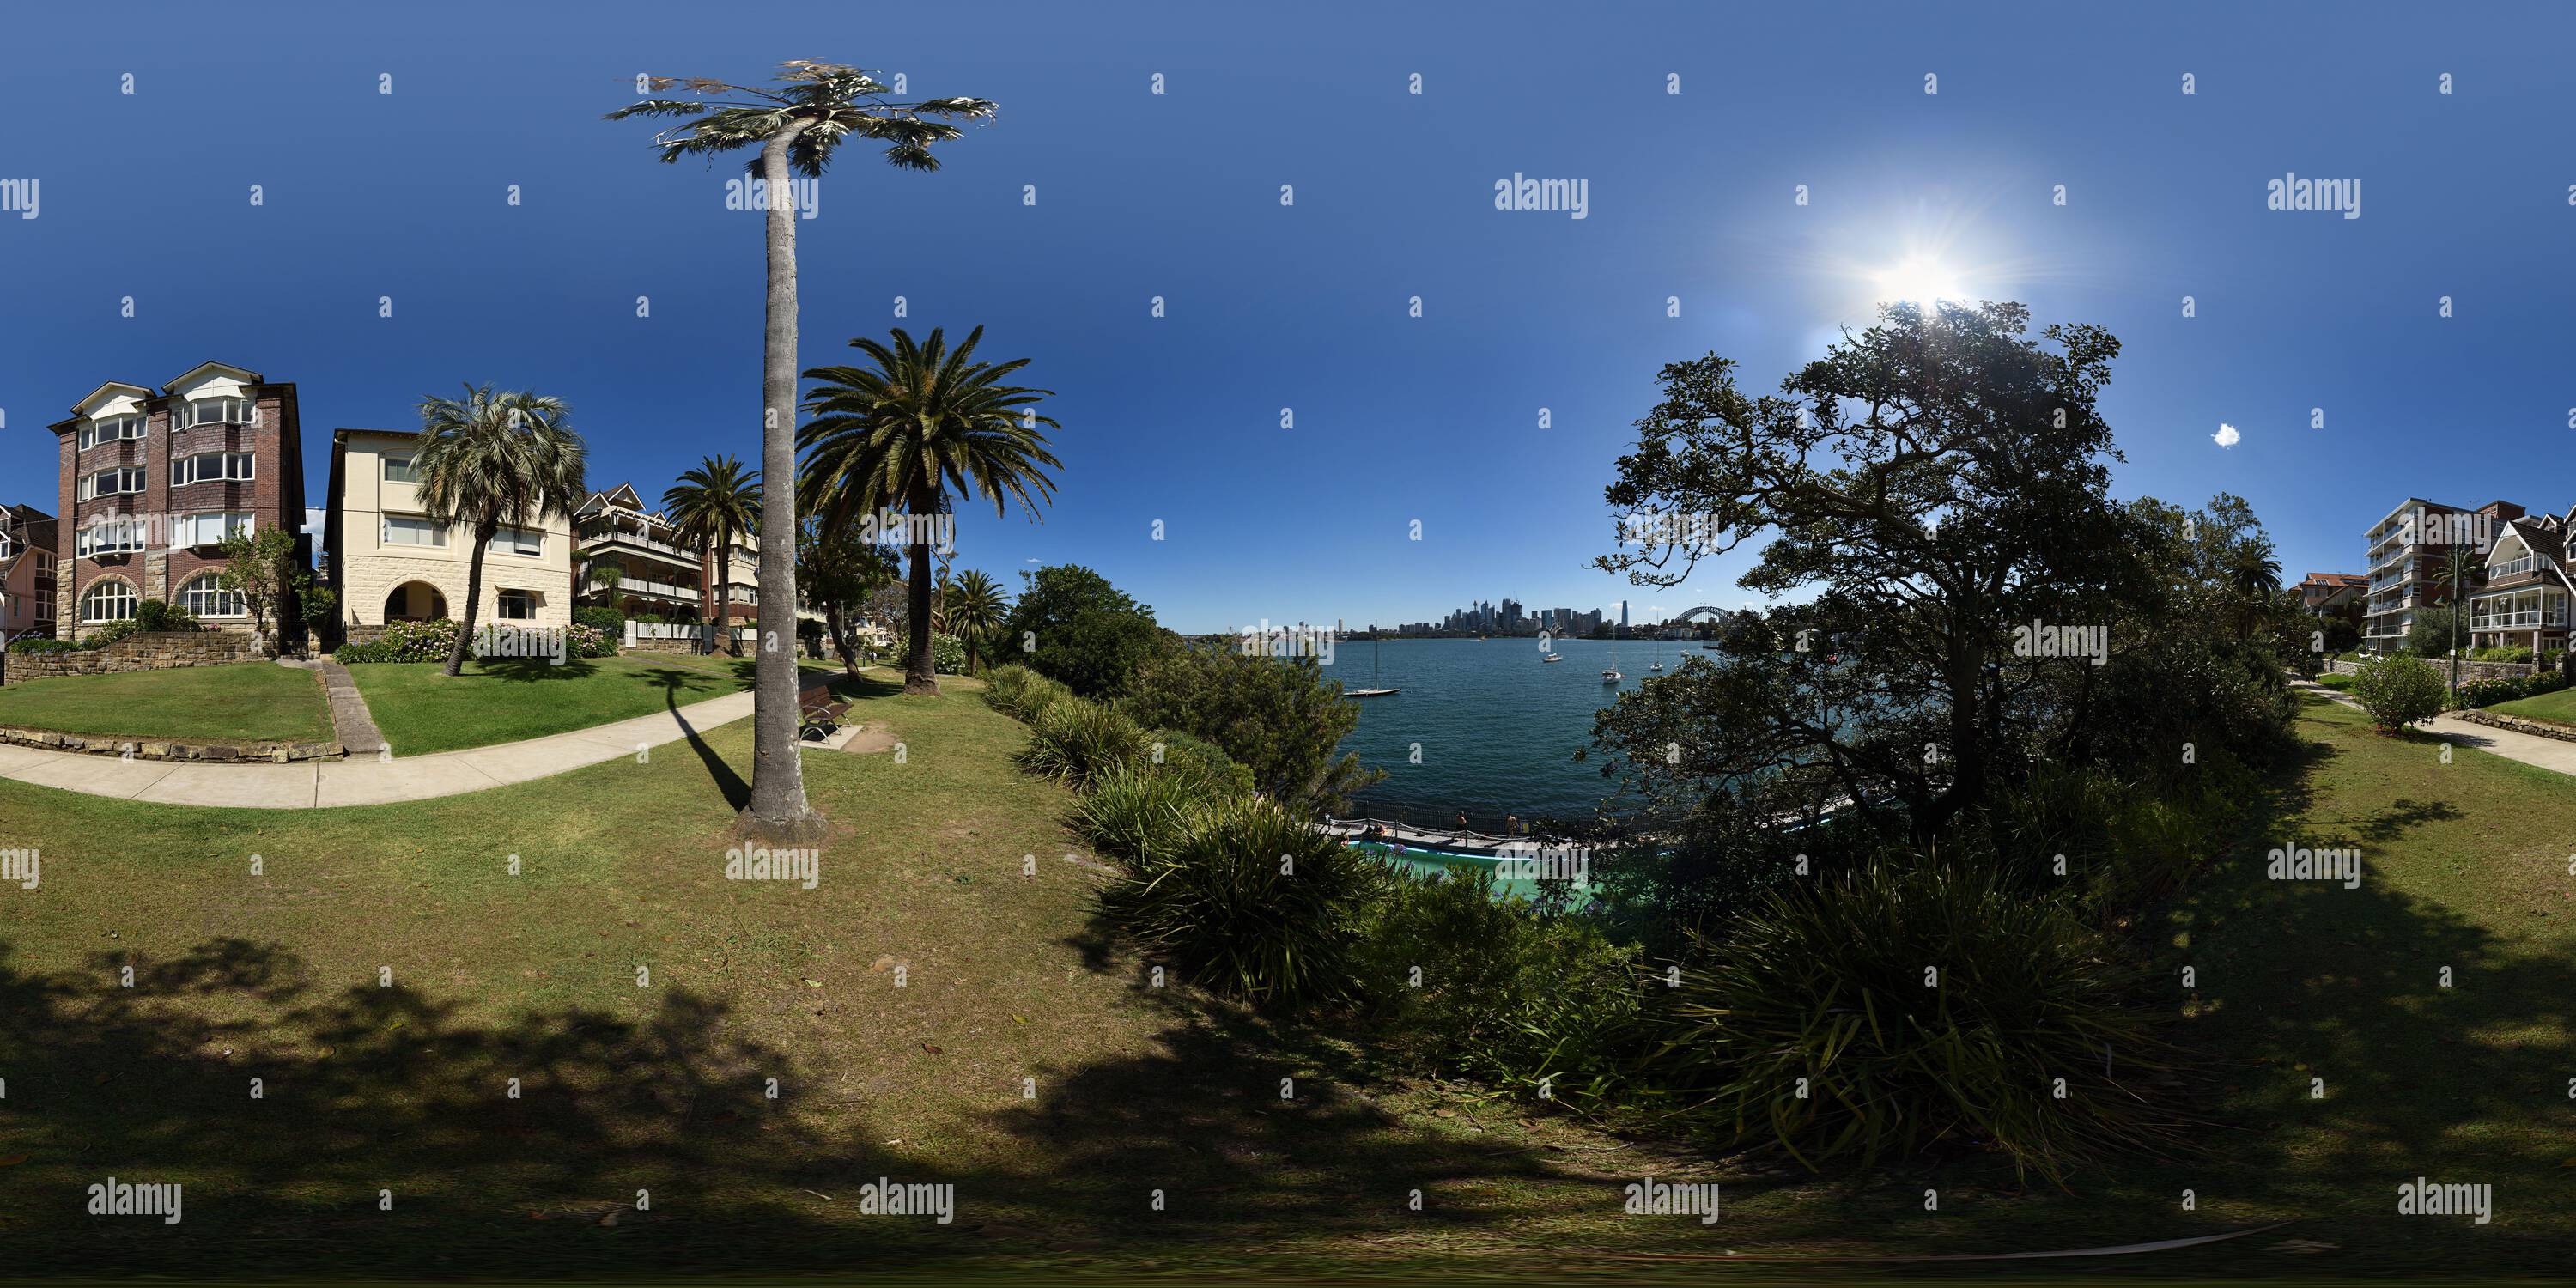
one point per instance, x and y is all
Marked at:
(1511, 824)
(1462, 825)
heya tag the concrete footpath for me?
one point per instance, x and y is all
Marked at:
(2546, 753)
(365, 779)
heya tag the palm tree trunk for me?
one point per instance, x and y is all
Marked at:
(921, 673)
(778, 807)
(473, 600)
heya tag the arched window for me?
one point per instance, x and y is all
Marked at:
(206, 596)
(107, 601)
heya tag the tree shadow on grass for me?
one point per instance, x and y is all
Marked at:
(672, 680)
(368, 1089)
(532, 670)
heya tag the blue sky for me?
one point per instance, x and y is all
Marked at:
(1177, 195)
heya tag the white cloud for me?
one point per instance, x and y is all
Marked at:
(2226, 435)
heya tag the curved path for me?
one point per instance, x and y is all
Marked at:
(363, 779)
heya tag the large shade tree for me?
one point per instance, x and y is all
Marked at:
(492, 458)
(798, 124)
(921, 427)
(711, 503)
(1927, 485)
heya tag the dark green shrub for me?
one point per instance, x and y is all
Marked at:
(607, 621)
(947, 654)
(2398, 691)
(1075, 741)
(110, 633)
(1548, 1007)
(1253, 904)
(40, 644)
(1176, 754)
(1139, 815)
(2026, 1040)
(154, 615)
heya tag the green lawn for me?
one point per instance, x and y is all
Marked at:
(661, 1083)
(237, 701)
(422, 711)
(2559, 706)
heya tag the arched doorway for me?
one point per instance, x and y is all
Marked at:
(415, 601)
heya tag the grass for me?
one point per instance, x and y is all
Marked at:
(661, 1084)
(237, 701)
(2559, 705)
(422, 711)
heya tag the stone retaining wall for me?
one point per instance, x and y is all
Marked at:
(96, 744)
(141, 651)
(2519, 724)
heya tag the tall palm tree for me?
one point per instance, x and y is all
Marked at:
(709, 505)
(2255, 573)
(491, 458)
(797, 125)
(920, 423)
(2463, 569)
(976, 607)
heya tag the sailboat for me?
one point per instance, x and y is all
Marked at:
(1611, 675)
(1659, 659)
(1372, 691)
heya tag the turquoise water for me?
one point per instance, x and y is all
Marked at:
(1497, 728)
(1422, 863)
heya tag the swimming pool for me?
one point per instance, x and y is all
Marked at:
(1426, 862)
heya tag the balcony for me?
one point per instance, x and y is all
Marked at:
(2522, 620)
(668, 590)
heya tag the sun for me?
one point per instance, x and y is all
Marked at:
(1919, 281)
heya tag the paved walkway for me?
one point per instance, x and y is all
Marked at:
(365, 779)
(2547, 753)
(351, 722)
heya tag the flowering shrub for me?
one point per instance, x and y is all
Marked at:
(2487, 693)
(403, 642)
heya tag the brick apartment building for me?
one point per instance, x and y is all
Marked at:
(2406, 547)
(27, 545)
(149, 482)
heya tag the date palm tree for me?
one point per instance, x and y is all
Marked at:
(976, 607)
(798, 125)
(493, 458)
(709, 505)
(2462, 570)
(921, 423)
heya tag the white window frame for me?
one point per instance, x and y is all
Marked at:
(385, 531)
(215, 590)
(501, 606)
(119, 536)
(516, 540)
(228, 409)
(188, 469)
(186, 529)
(409, 464)
(89, 484)
(95, 431)
(132, 601)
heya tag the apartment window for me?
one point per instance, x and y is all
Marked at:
(206, 596)
(117, 482)
(209, 467)
(44, 605)
(107, 601)
(518, 605)
(405, 530)
(109, 429)
(108, 537)
(207, 529)
(398, 469)
(519, 541)
(218, 411)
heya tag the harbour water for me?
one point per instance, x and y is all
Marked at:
(1497, 729)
